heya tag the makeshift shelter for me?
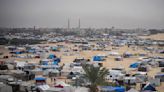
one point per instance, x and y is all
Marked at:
(56, 61)
(40, 80)
(98, 58)
(130, 80)
(143, 68)
(127, 55)
(18, 52)
(161, 63)
(115, 74)
(111, 89)
(135, 65)
(61, 83)
(44, 62)
(160, 76)
(54, 48)
(44, 67)
(113, 53)
(43, 88)
(5, 88)
(31, 51)
(149, 87)
(20, 64)
(118, 58)
(51, 56)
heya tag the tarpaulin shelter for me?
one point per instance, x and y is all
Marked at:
(40, 80)
(51, 56)
(112, 89)
(134, 65)
(149, 87)
(98, 58)
(118, 58)
(56, 61)
(160, 76)
(54, 48)
(127, 54)
(31, 51)
(44, 62)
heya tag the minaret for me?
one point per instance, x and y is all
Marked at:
(34, 28)
(79, 24)
(68, 24)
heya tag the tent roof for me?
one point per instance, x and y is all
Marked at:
(40, 78)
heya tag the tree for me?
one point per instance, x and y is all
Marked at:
(95, 75)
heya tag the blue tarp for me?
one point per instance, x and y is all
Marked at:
(45, 63)
(56, 61)
(134, 65)
(39, 78)
(18, 52)
(52, 56)
(115, 89)
(161, 75)
(97, 58)
(31, 51)
(54, 48)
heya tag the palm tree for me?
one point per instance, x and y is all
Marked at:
(95, 75)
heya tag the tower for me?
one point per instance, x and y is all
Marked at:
(79, 24)
(68, 24)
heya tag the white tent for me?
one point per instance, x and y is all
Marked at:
(112, 53)
(43, 88)
(21, 64)
(61, 83)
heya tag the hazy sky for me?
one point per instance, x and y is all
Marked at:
(93, 13)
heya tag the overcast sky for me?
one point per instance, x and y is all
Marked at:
(92, 13)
